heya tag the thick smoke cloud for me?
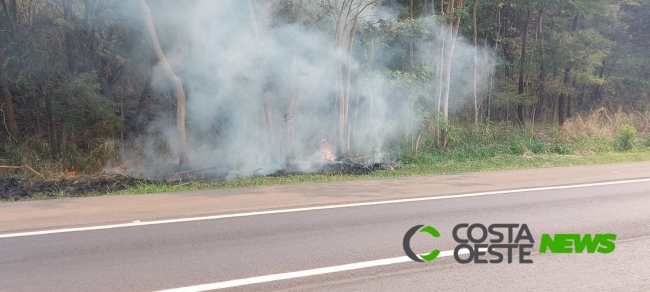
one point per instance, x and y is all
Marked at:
(231, 54)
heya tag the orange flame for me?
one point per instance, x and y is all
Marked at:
(327, 154)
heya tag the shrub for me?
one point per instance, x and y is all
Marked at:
(625, 138)
(562, 148)
(646, 142)
(539, 147)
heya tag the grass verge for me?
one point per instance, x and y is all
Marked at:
(443, 166)
(596, 139)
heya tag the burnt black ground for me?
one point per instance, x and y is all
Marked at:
(14, 187)
(17, 187)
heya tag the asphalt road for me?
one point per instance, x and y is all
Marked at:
(185, 254)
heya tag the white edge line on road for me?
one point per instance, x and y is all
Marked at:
(304, 273)
(280, 211)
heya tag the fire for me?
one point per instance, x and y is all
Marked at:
(327, 154)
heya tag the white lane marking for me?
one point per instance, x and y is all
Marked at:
(304, 273)
(280, 211)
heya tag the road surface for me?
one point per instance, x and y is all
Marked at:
(332, 237)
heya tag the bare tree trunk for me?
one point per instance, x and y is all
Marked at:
(341, 27)
(69, 42)
(542, 67)
(51, 122)
(14, 11)
(453, 23)
(346, 20)
(475, 32)
(440, 79)
(496, 49)
(411, 43)
(10, 116)
(183, 159)
(561, 105)
(268, 110)
(520, 107)
(566, 98)
(353, 31)
(7, 9)
(146, 90)
(293, 98)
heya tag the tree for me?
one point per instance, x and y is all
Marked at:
(346, 20)
(474, 36)
(524, 37)
(183, 159)
(9, 116)
(290, 114)
(450, 36)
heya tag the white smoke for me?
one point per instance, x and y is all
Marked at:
(228, 60)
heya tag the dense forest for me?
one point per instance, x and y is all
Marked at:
(252, 85)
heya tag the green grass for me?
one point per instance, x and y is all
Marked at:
(499, 147)
(487, 148)
(443, 165)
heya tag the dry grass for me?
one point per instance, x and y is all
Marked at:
(601, 124)
(589, 133)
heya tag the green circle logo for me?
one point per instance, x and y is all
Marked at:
(407, 243)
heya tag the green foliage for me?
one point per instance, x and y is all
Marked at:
(63, 23)
(82, 106)
(602, 62)
(562, 148)
(626, 138)
(540, 147)
(503, 139)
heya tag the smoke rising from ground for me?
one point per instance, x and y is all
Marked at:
(232, 54)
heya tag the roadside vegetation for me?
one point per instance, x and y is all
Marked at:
(114, 96)
(594, 139)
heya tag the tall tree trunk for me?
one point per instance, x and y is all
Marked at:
(353, 31)
(268, 110)
(6, 7)
(10, 115)
(341, 28)
(69, 42)
(453, 23)
(146, 90)
(411, 42)
(293, 97)
(440, 85)
(561, 102)
(346, 26)
(564, 106)
(520, 107)
(475, 33)
(542, 68)
(51, 122)
(183, 159)
(14, 11)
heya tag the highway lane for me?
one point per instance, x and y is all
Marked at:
(92, 211)
(164, 256)
(626, 271)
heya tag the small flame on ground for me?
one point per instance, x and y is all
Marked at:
(327, 153)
